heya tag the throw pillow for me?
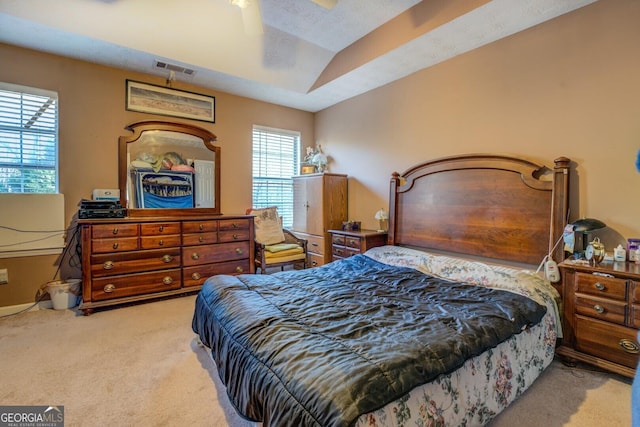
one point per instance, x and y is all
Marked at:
(268, 228)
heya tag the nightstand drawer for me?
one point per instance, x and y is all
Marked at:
(607, 287)
(342, 252)
(353, 242)
(611, 342)
(601, 308)
(337, 239)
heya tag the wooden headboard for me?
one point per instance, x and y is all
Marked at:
(483, 205)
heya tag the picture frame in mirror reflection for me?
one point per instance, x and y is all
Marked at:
(164, 101)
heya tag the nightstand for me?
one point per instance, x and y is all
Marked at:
(601, 314)
(349, 243)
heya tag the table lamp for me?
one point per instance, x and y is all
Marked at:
(383, 219)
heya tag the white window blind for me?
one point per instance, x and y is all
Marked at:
(28, 140)
(275, 162)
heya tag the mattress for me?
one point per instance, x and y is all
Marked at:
(270, 377)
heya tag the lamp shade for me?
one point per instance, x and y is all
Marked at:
(381, 214)
(587, 224)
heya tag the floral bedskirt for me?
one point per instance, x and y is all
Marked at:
(485, 385)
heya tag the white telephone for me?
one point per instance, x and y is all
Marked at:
(551, 271)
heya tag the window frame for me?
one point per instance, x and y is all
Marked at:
(284, 200)
(50, 132)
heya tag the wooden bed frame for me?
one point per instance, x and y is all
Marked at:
(482, 205)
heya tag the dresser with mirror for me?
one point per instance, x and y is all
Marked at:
(174, 235)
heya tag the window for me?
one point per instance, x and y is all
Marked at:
(275, 161)
(28, 140)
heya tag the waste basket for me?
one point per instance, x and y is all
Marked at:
(64, 293)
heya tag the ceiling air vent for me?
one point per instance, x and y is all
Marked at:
(175, 68)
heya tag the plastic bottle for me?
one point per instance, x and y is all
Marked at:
(619, 254)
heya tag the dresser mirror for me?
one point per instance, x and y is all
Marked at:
(169, 169)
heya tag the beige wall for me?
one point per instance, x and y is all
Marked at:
(93, 116)
(568, 87)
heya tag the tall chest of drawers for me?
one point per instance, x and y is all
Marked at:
(602, 314)
(126, 260)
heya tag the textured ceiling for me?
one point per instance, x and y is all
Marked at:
(307, 57)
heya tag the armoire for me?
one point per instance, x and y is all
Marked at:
(319, 205)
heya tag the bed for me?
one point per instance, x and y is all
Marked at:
(444, 325)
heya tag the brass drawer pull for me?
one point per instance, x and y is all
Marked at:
(201, 239)
(161, 242)
(235, 237)
(235, 225)
(201, 227)
(167, 280)
(115, 245)
(314, 244)
(196, 276)
(338, 251)
(629, 346)
(239, 251)
(111, 287)
(108, 265)
(195, 256)
(599, 286)
(167, 258)
(115, 231)
(161, 229)
(239, 269)
(598, 308)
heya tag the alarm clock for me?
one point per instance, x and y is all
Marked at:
(594, 251)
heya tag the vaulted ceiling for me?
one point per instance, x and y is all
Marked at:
(306, 56)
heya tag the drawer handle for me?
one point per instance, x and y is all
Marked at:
(108, 265)
(599, 286)
(314, 244)
(314, 263)
(239, 269)
(338, 251)
(598, 308)
(235, 225)
(167, 258)
(167, 280)
(201, 239)
(201, 227)
(196, 276)
(115, 245)
(239, 251)
(195, 256)
(629, 346)
(235, 237)
(161, 242)
(115, 231)
(111, 287)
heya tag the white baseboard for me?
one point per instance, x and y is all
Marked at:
(14, 309)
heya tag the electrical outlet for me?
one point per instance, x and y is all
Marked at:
(4, 276)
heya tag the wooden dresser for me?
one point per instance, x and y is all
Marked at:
(132, 259)
(602, 314)
(349, 243)
(319, 204)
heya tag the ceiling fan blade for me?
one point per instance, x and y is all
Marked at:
(252, 19)
(327, 4)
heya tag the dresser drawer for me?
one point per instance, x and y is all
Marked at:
(337, 239)
(208, 238)
(353, 243)
(233, 235)
(196, 275)
(607, 341)
(135, 284)
(102, 231)
(199, 226)
(601, 308)
(132, 262)
(315, 244)
(114, 245)
(234, 224)
(314, 260)
(155, 242)
(601, 286)
(156, 229)
(343, 252)
(197, 255)
(634, 316)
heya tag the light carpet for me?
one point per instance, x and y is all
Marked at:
(141, 365)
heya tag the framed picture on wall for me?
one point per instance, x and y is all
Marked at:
(165, 101)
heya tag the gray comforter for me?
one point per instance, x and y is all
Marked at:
(320, 347)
